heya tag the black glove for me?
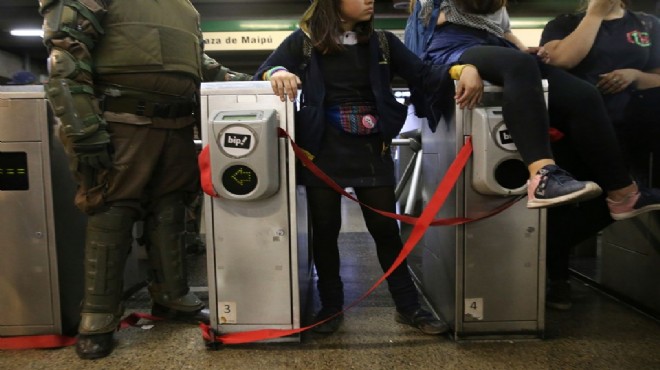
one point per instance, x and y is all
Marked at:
(95, 151)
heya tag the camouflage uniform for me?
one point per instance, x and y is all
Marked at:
(124, 82)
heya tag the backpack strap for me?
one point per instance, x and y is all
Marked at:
(307, 52)
(384, 45)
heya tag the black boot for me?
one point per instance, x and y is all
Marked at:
(164, 228)
(331, 294)
(331, 325)
(107, 244)
(422, 320)
(194, 317)
(93, 346)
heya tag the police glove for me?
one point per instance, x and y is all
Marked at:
(95, 151)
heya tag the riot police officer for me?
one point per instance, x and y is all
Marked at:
(124, 76)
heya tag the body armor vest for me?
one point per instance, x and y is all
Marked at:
(150, 36)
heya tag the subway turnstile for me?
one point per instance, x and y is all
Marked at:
(628, 261)
(486, 278)
(259, 266)
(42, 232)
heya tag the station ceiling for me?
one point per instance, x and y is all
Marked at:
(24, 14)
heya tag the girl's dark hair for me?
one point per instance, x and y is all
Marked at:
(322, 23)
(480, 6)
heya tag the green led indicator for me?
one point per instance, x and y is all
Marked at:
(14, 171)
(239, 180)
(242, 177)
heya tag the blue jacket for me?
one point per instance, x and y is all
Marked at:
(418, 34)
(428, 83)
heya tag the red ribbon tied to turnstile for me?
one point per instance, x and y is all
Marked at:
(420, 225)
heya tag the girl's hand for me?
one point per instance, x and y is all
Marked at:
(285, 84)
(469, 89)
(616, 81)
(543, 54)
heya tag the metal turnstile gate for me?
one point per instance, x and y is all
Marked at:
(486, 278)
(42, 232)
(259, 266)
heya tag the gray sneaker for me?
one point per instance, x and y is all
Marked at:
(552, 186)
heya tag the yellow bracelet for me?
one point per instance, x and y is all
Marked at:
(456, 70)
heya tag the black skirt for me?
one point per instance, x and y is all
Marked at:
(352, 161)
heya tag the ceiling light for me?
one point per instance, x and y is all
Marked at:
(30, 32)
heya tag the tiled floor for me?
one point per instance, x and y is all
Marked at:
(597, 333)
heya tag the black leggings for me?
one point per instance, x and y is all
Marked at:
(523, 105)
(325, 214)
(575, 107)
(571, 224)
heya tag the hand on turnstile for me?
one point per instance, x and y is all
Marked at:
(470, 88)
(285, 84)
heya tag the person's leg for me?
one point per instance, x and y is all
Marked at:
(109, 198)
(164, 230)
(569, 225)
(523, 105)
(386, 235)
(641, 117)
(173, 178)
(526, 118)
(324, 206)
(107, 244)
(593, 136)
(577, 109)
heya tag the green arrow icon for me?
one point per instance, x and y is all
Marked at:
(242, 177)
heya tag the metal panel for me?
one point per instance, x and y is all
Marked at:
(630, 258)
(27, 260)
(485, 278)
(16, 116)
(259, 266)
(42, 231)
(502, 261)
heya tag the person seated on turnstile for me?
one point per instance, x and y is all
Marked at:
(127, 125)
(617, 50)
(477, 34)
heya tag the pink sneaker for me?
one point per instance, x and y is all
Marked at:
(645, 200)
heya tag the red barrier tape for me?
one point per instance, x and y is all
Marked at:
(58, 341)
(300, 154)
(36, 341)
(420, 226)
(135, 317)
(205, 176)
